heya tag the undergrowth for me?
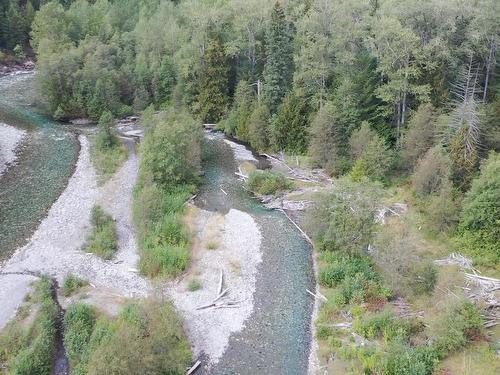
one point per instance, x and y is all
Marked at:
(144, 339)
(267, 183)
(103, 240)
(27, 347)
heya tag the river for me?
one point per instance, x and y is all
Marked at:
(45, 162)
(276, 338)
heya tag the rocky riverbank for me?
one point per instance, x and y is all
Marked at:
(10, 139)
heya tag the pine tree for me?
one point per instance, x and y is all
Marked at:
(278, 71)
(105, 138)
(213, 96)
(289, 125)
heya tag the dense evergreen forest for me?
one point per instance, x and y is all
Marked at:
(376, 88)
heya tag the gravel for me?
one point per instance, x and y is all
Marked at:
(55, 247)
(238, 256)
(10, 139)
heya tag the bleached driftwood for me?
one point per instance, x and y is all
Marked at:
(193, 368)
(299, 228)
(221, 282)
(223, 191)
(317, 295)
(457, 259)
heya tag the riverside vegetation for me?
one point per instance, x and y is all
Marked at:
(399, 101)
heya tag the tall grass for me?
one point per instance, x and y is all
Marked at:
(103, 240)
(170, 166)
(266, 182)
(144, 339)
(27, 348)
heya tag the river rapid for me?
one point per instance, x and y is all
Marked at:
(45, 161)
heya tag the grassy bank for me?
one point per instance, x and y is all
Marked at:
(107, 161)
(103, 240)
(27, 343)
(404, 315)
(107, 153)
(267, 183)
(169, 172)
(145, 338)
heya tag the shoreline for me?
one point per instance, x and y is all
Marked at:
(11, 140)
(55, 247)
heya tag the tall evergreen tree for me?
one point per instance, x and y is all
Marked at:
(289, 125)
(278, 71)
(213, 96)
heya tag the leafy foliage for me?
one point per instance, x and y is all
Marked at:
(265, 182)
(479, 222)
(103, 240)
(344, 219)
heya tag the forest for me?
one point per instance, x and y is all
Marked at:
(392, 98)
(378, 89)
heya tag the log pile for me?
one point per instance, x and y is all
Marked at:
(220, 302)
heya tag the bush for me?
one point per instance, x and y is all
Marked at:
(460, 323)
(103, 240)
(266, 182)
(163, 238)
(79, 322)
(403, 359)
(420, 135)
(171, 150)
(340, 266)
(71, 284)
(194, 285)
(145, 339)
(432, 172)
(29, 350)
(384, 325)
(479, 229)
(344, 219)
(423, 278)
(372, 156)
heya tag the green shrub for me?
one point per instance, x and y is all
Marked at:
(171, 150)
(79, 322)
(194, 285)
(107, 160)
(339, 266)
(103, 240)
(266, 182)
(384, 325)
(460, 323)
(71, 284)
(144, 339)
(29, 350)
(344, 219)
(479, 229)
(423, 278)
(403, 359)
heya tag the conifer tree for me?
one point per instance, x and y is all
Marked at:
(278, 71)
(289, 125)
(213, 96)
